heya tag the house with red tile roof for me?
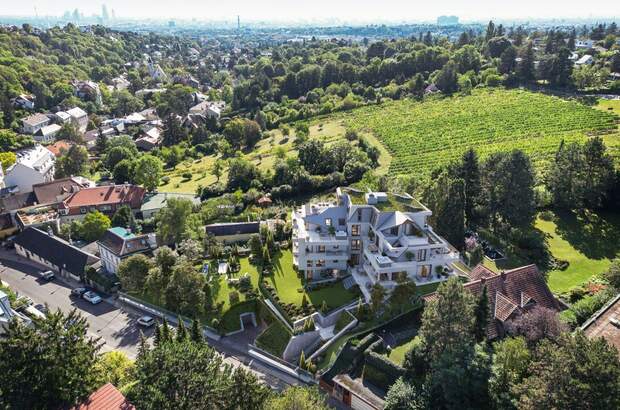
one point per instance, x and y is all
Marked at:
(59, 147)
(106, 199)
(605, 323)
(510, 294)
(107, 397)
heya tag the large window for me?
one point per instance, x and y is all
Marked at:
(320, 263)
(424, 271)
(356, 244)
(355, 230)
(394, 231)
(328, 221)
(421, 255)
(309, 264)
(341, 221)
(321, 248)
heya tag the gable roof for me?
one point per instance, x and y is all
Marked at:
(509, 293)
(56, 191)
(605, 323)
(35, 119)
(104, 195)
(107, 397)
(55, 250)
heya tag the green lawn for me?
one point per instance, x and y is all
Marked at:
(588, 243)
(290, 287)
(274, 339)
(397, 355)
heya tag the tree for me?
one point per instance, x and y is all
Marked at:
(598, 173)
(377, 295)
(196, 333)
(148, 171)
(218, 167)
(40, 369)
(469, 172)
(297, 398)
(123, 172)
(572, 372)
(94, 226)
(525, 68)
(613, 273)
(70, 132)
(172, 221)
(403, 396)
(481, 312)
(188, 375)
(241, 173)
(446, 197)
(116, 368)
(403, 293)
(133, 272)
(72, 163)
(511, 362)
(185, 291)
(564, 179)
(7, 159)
(537, 324)
(508, 61)
(124, 218)
(447, 79)
(174, 132)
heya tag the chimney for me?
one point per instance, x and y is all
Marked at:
(50, 231)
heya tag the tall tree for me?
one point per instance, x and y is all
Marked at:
(481, 313)
(48, 365)
(148, 171)
(446, 197)
(511, 362)
(469, 172)
(298, 398)
(74, 162)
(525, 68)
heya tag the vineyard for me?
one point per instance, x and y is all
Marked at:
(423, 136)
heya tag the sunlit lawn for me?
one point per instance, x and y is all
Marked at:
(289, 286)
(397, 355)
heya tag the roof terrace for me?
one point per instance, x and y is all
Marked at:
(384, 201)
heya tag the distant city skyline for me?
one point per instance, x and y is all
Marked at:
(319, 10)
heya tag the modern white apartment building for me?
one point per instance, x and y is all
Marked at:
(34, 166)
(378, 237)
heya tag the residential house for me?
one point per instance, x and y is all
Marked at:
(33, 123)
(120, 83)
(105, 199)
(186, 79)
(7, 227)
(38, 216)
(47, 134)
(605, 323)
(53, 193)
(59, 147)
(510, 294)
(211, 109)
(586, 59)
(232, 232)
(357, 394)
(79, 118)
(149, 139)
(379, 238)
(120, 243)
(34, 166)
(157, 73)
(155, 201)
(107, 397)
(7, 314)
(24, 101)
(88, 91)
(53, 252)
(584, 43)
(62, 117)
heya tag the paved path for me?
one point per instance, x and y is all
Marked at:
(116, 325)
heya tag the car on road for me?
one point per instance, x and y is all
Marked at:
(41, 308)
(47, 275)
(146, 321)
(92, 297)
(78, 291)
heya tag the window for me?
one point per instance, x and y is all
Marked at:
(321, 248)
(320, 263)
(359, 215)
(394, 231)
(355, 259)
(424, 270)
(355, 230)
(83, 210)
(356, 244)
(341, 222)
(421, 255)
(309, 264)
(328, 221)
(383, 277)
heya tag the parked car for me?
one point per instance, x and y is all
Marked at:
(47, 275)
(92, 297)
(146, 321)
(41, 308)
(78, 291)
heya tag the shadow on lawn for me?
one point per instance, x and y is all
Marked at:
(597, 236)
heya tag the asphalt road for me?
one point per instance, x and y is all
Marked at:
(116, 326)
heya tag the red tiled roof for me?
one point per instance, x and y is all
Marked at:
(509, 292)
(131, 195)
(106, 398)
(480, 272)
(59, 146)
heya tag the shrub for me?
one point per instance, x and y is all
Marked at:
(215, 323)
(165, 179)
(245, 283)
(187, 176)
(233, 297)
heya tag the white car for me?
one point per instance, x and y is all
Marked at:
(92, 297)
(146, 321)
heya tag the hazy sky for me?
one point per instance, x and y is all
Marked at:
(345, 10)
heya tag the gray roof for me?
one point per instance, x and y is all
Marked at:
(233, 228)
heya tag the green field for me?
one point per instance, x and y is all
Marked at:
(397, 355)
(588, 242)
(423, 135)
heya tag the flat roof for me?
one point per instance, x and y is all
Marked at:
(606, 323)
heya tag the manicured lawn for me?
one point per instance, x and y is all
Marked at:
(221, 290)
(288, 285)
(274, 339)
(397, 355)
(588, 243)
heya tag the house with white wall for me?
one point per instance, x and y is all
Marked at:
(79, 118)
(34, 122)
(33, 166)
(377, 237)
(120, 243)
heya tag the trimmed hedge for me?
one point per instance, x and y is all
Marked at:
(381, 372)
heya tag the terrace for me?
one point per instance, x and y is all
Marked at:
(392, 202)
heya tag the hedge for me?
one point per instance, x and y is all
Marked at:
(381, 372)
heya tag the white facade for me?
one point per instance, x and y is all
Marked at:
(33, 166)
(79, 118)
(34, 122)
(584, 43)
(377, 237)
(47, 134)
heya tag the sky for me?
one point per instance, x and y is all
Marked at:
(309, 10)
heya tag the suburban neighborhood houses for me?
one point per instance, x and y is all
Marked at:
(416, 215)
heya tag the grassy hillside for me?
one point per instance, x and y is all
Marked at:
(422, 136)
